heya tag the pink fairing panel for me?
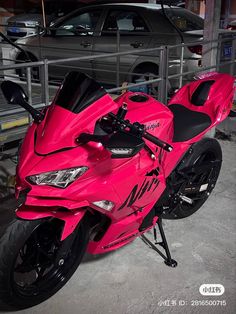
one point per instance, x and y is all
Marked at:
(219, 101)
(112, 180)
(61, 127)
(121, 232)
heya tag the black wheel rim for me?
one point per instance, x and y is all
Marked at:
(36, 269)
(208, 177)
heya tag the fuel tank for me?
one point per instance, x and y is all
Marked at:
(156, 117)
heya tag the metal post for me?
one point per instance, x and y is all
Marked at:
(181, 66)
(163, 72)
(43, 12)
(211, 26)
(29, 88)
(232, 65)
(118, 58)
(218, 57)
(38, 28)
(45, 82)
(29, 84)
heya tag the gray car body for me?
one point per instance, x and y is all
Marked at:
(160, 32)
(25, 25)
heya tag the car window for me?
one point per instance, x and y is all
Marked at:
(79, 25)
(125, 21)
(185, 20)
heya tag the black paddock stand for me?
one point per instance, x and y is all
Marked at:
(168, 260)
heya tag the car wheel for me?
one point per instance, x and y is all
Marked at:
(147, 73)
(22, 72)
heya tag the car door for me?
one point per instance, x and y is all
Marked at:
(72, 37)
(134, 34)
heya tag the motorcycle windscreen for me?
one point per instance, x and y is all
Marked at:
(78, 91)
(79, 103)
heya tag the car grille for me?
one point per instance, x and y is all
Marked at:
(16, 24)
(21, 34)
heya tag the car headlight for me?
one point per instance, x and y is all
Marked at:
(59, 178)
(31, 23)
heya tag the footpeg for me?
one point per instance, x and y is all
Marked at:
(186, 199)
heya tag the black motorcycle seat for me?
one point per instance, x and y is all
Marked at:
(188, 123)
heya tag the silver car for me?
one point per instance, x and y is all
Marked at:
(25, 25)
(93, 30)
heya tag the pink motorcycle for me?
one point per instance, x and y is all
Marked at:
(95, 173)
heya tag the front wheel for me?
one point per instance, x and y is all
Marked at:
(33, 263)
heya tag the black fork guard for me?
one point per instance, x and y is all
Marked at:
(167, 258)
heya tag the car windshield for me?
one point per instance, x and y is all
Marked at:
(185, 20)
(78, 91)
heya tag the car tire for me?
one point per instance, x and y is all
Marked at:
(22, 71)
(149, 72)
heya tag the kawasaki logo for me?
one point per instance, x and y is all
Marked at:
(136, 194)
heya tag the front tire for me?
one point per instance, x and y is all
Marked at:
(30, 271)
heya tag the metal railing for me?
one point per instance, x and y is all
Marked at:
(163, 56)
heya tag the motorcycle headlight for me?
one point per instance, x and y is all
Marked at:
(59, 178)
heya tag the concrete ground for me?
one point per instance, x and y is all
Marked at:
(134, 279)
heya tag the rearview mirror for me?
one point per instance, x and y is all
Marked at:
(124, 145)
(15, 95)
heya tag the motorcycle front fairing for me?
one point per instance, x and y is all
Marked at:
(52, 145)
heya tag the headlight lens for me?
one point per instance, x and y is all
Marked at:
(31, 23)
(60, 178)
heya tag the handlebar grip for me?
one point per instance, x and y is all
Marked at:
(157, 141)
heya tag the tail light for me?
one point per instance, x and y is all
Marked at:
(231, 27)
(196, 49)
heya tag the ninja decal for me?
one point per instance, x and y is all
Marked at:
(136, 194)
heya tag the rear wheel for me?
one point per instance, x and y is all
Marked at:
(33, 263)
(194, 179)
